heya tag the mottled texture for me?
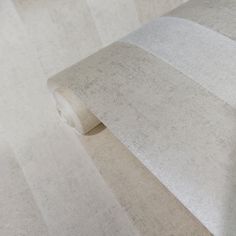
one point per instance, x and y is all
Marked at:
(114, 19)
(218, 15)
(151, 207)
(65, 186)
(205, 56)
(56, 27)
(64, 189)
(19, 213)
(182, 133)
(150, 9)
(66, 31)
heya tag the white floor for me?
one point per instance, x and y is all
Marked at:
(49, 185)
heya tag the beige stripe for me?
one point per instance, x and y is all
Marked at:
(19, 213)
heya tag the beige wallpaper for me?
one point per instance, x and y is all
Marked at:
(64, 32)
(64, 192)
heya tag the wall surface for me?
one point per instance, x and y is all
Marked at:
(52, 183)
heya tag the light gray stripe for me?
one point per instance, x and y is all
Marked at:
(218, 15)
(205, 56)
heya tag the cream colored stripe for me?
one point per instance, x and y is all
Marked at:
(19, 212)
(205, 56)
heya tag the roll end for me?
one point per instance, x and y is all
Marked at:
(73, 112)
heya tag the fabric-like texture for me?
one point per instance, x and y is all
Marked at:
(218, 15)
(177, 129)
(19, 213)
(167, 91)
(153, 210)
(203, 55)
(46, 174)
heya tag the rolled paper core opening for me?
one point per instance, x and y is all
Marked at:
(73, 112)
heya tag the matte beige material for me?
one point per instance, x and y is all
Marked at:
(37, 39)
(65, 185)
(218, 15)
(63, 31)
(185, 46)
(19, 213)
(174, 126)
(66, 31)
(74, 112)
(150, 9)
(151, 207)
(113, 19)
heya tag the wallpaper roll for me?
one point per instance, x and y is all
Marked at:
(167, 92)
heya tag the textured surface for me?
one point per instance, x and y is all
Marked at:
(113, 18)
(66, 186)
(153, 210)
(181, 132)
(19, 213)
(185, 46)
(217, 15)
(150, 9)
(63, 32)
(63, 192)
